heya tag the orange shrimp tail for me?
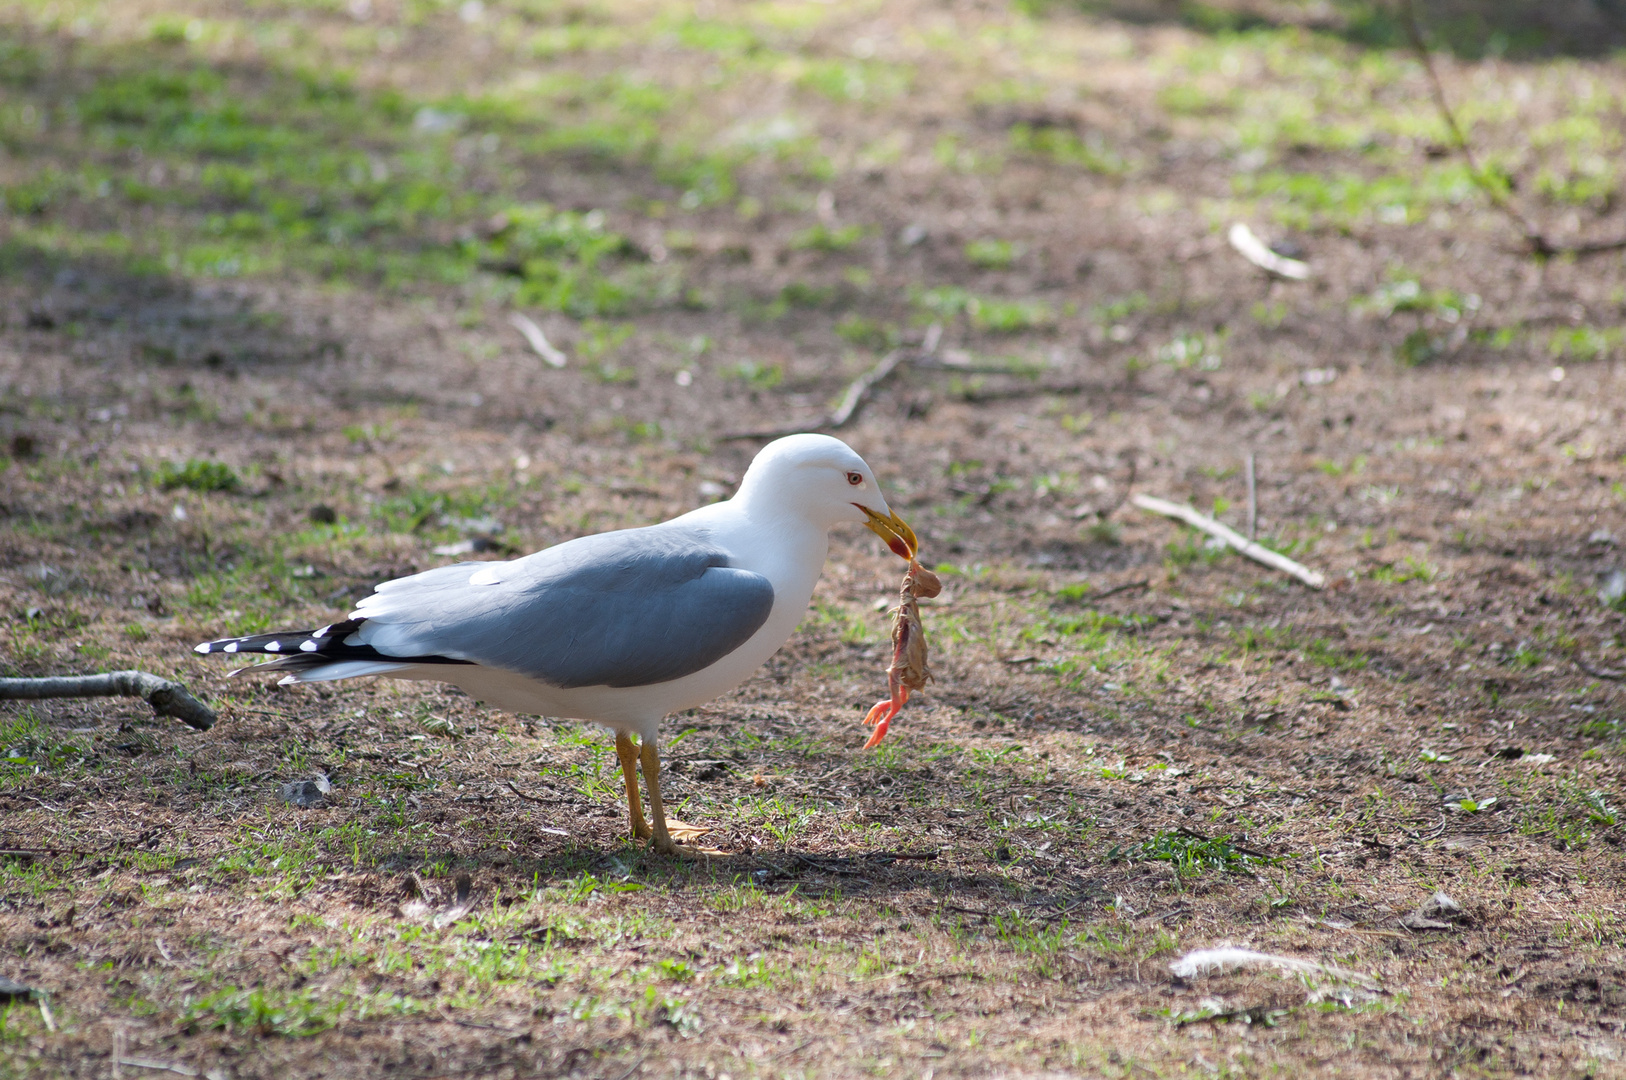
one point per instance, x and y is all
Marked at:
(880, 716)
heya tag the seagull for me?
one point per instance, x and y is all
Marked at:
(622, 628)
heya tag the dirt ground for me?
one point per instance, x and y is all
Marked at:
(1137, 745)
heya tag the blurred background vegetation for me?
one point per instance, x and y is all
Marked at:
(571, 156)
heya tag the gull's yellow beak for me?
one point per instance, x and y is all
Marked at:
(898, 536)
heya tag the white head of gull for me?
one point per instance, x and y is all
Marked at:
(623, 627)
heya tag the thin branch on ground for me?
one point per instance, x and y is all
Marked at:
(538, 341)
(1537, 240)
(1233, 539)
(1127, 586)
(1598, 672)
(544, 802)
(7, 851)
(862, 385)
(166, 698)
(921, 359)
(1253, 501)
(1258, 252)
(857, 391)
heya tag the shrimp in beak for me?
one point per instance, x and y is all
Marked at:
(908, 670)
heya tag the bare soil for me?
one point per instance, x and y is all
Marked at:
(989, 893)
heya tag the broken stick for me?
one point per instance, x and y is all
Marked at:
(1233, 539)
(166, 698)
(857, 390)
(537, 340)
(1256, 251)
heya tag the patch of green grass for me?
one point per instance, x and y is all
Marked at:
(197, 475)
(1090, 153)
(760, 973)
(1524, 656)
(985, 313)
(1010, 316)
(854, 80)
(1411, 568)
(29, 747)
(1287, 639)
(852, 627)
(867, 333)
(757, 376)
(295, 1014)
(1586, 343)
(802, 294)
(438, 512)
(992, 254)
(822, 237)
(1114, 311)
(285, 165)
(558, 259)
(1567, 813)
(1323, 652)
(1404, 293)
(1338, 469)
(1200, 352)
(1345, 200)
(1192, 547)
(1190, 855)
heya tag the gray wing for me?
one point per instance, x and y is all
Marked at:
(626, 608)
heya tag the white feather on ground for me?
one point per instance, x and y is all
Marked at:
(1227, 958)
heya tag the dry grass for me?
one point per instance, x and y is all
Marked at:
(1095, 785)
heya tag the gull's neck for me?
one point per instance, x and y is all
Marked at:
(771, 532)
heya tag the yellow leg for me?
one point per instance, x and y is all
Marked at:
(662, 841)
(629, 772)
(667, 830)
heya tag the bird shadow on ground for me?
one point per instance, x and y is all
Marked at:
(736, 879)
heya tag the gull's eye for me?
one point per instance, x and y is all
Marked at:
(855, 478)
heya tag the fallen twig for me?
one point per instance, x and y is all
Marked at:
(861, 386)
(1253, 501)
(857, 391)
(803, 1045)
(824, 866)
(161, 1066)
(538, 340)
(634, 1067)
(1127, 586)
(1256, 251)
(1598, 672)
(1256, 1014)
(534, 799)
(31, 852)
(166, 698)
(1233, 539)
(1538, 241)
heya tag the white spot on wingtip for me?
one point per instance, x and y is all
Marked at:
(308, 646)
(287, 680)
(230, 647)
(486, 576)
(273, 646)
(323, 631)
(204, 648)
